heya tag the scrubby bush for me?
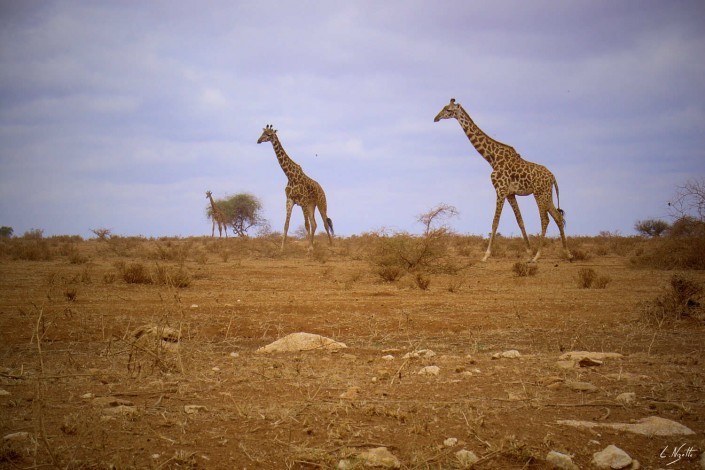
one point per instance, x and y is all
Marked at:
(589, 278)
(394, 254)
(523, 269)
(681, 299)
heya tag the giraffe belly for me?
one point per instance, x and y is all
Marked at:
(518, 189)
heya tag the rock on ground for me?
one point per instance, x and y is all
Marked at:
(301, 342)
(561, 461)
(650, 426)
(611, 457)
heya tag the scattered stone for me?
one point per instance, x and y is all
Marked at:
(17, 436)
(120, 410)
(466, 458)
(585, 387)
(611, 457)
(450, 442)
(626, 398)
(302, 342)
(419, 353)
(193, 409)
(351, 393)
(595, 356)
(589, 362)
(4, 393)
(552, 382)
(650, 426)
(194, 305)
(628, 377)
(88, 395)
(379, 457)
(234, 354)
(388, 357)
(103, 402)
(215, 369)
(511, 354)
(561, 461)
(466, 374)
(429, 370)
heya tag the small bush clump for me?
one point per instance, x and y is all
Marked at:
(588, 278)
(681, 299)
(523, 269)
(136, 273)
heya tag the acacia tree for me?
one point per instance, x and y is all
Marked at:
(242, 212)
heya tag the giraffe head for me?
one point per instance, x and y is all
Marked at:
(449, 111)
(208, 194)
(267, 134)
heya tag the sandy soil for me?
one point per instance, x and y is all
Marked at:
(89, 396)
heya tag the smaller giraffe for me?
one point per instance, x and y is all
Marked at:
(217, 216)
(301, 190)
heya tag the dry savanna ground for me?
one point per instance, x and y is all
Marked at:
(79, 389)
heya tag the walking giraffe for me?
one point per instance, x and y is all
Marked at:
(300, 190)
(217, 216)
(512, 176)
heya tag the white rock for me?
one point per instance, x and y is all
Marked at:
(234, 354)
(466, 458)
(379, 457)
(193, 409)
(215, 369)
(650, 426)
(511, 354)
(120, 410)
(301, 342)
(561, 461)
(4, 393)
(194, 305)
(611, 457)
(419, 353)
(87, 395)
(626, 398)
(450, 442)
(597, 356)
(429, 370)
(388, 357)
(17, 436)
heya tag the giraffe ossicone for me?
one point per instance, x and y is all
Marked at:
(300, 190)
(512, 176)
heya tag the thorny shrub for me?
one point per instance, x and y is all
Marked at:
(522, 269)
(681, 299)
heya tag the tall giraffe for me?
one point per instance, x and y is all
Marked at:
(511, 176)
(217, 216)
(300, 190)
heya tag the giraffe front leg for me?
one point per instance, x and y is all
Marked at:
(495, 223)
(517, 213)
(289, 206)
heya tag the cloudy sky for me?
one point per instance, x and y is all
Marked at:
(122, 114)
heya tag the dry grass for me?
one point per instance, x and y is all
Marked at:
(68, 342)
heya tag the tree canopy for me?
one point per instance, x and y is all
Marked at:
(242, 212)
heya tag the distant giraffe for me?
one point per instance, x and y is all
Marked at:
(512, 176)
(300, 190)
(217, 216)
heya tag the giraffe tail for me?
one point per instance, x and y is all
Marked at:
(558, 202)
(330, 224)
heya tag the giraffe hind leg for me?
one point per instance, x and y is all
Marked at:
(495, 223)
(517, 213)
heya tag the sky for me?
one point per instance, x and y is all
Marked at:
(121, 115)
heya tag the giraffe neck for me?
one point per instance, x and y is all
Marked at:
(496, 153)
(290, 167)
